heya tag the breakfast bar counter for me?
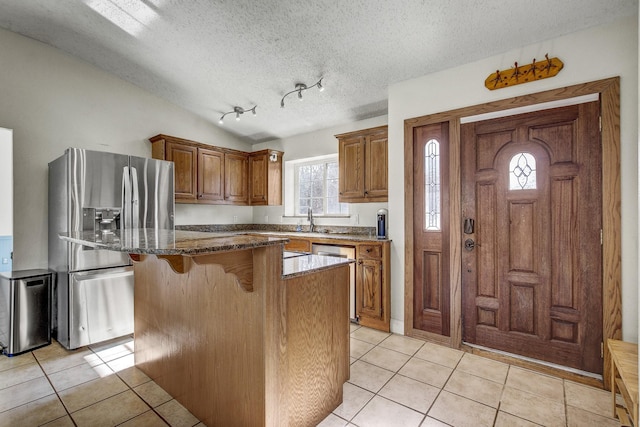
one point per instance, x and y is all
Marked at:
(223, 331)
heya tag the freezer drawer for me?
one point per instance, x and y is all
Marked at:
(25, 310)
(100, 305)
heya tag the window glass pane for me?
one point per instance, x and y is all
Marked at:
(317, 187)
(432, 185)
(304, 173)
(522, 172)
(317, 172)
(332, 189)
(332, 171)
(317, 204)
(305, 189)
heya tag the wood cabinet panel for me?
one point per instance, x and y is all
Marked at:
(376, 164)
(210, 174)
(236, 169)
(363, 165)
(185, 159)
(265, 177)
(298, 245)
(351, 168)
(373, 285)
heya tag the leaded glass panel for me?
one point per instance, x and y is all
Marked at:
(522, 172)
(432, 203)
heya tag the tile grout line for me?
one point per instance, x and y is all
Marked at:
(55, 391)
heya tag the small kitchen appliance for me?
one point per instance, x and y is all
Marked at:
(382, 223)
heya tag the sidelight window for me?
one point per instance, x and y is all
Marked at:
(432, 204)
(522, 172)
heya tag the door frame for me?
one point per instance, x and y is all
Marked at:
(609, 92)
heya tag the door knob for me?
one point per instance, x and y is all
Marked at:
(469, 244)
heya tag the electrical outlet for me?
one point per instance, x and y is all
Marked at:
(266, 219)
(357, 218)
(5, 260)
(235, 219)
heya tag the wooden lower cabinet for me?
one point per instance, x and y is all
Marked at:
(373, 285)
(373, 278)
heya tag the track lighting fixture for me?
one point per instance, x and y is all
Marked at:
(301, 87)
(238, 111)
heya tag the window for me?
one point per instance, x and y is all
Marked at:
(316, 187)
(432, 185)
(522, 172)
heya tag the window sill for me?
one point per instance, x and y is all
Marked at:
(317, 216)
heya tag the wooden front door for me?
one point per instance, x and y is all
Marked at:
(431, 229)
(532, 256)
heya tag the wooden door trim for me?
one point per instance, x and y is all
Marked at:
(609, 91)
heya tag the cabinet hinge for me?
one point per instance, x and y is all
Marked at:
(600, 123)
(601, 238)
(601, 350)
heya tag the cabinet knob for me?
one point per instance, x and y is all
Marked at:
(366, 192)
(368, 249)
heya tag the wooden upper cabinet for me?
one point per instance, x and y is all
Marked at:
(185, 159)
(351, 168)
(211, 176)
(363, 165)
(236, 171)
(214, 175)
(265, 177)
(376, 166)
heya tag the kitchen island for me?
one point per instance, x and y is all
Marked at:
(227, 334)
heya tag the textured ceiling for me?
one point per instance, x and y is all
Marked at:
(209, 56)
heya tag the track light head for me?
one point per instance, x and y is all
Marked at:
(238, 111)
(299, 88)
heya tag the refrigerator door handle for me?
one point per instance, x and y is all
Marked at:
(126, 199)
(135, 199)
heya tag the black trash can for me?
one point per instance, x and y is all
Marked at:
(25, 310)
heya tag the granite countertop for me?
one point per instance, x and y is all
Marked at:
(305, 264)
(170, 242)
(328, 236)
(180, 242)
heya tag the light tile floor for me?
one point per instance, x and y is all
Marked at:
(400, 381)
(92, 386)
(395, 381)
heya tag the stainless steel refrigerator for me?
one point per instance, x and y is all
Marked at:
(104, 193)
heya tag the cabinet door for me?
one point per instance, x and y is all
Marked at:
(210, 174)
(376, 166)
(185, 159)
(258, 187)
(369, 296)
(236, 187)
(351, 166)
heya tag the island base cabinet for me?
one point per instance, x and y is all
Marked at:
(238, 345)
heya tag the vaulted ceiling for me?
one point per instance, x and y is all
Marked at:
(208, 56)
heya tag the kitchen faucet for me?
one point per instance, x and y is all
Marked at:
(310, 219)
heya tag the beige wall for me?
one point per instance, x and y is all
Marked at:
(53, 101)
(597, 53)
